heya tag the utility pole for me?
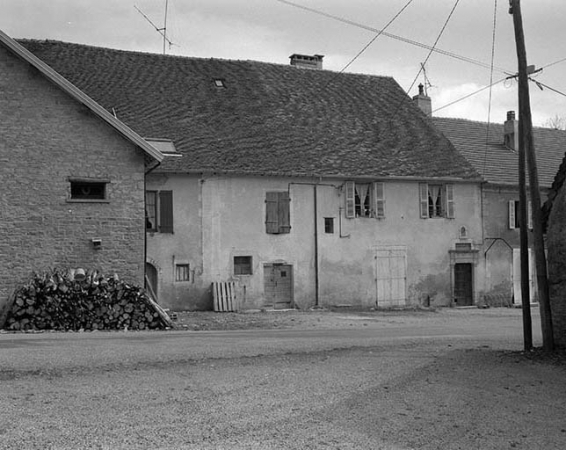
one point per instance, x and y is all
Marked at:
(526, 145)
(524, 246)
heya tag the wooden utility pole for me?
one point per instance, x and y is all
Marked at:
(524, 246)
(526, 138)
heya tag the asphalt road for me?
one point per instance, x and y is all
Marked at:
(453, 380)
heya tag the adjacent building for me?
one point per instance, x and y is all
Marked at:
(72, 175)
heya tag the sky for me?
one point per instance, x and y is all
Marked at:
(465, 33)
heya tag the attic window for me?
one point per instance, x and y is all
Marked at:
(219, 83)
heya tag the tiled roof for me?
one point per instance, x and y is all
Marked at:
(64, 84)
(269, 119)
(494, 161)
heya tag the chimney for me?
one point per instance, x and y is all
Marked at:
(306, 61)
(423, 101)
(511, 131)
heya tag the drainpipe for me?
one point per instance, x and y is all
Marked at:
(316, 281)
(144, 229)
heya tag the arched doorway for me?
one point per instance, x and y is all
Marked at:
(151, 279)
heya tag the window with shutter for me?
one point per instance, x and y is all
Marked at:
(449, 188)
(423, 195)
(277, 212)
(166, 211)
(515, 217)
(379, 193)
(151, 211)
(436, 200)
(159, 211)
(350, 200)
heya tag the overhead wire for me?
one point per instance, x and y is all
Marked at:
(396, 37)
(405, 98)
(434, 45)
(470, 95)
(490, 88)
(377, 35)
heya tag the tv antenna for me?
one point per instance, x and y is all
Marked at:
(162, 31)
(427, 83)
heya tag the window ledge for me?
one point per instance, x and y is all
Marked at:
(85, 200)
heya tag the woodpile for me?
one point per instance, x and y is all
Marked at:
(69, 300)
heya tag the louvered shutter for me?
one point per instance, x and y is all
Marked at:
(379, 193)
(166, 211)
(511, 214)
(283, 210)
(272, 212)
(449, 201)
(423, 192)
(350, 200)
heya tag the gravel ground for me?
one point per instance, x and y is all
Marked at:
(407, 394)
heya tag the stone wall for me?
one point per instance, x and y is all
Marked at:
(46, 139)
(556, 244)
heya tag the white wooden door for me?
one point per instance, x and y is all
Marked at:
(517, 297)
(391, 276)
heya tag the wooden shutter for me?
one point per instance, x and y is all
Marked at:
(350, 200)
(166, 211)
(284, 214)
(379, 193)
(449, 188)
(272, 212)
(423, 191)
(512, 214)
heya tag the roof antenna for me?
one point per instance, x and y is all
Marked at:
(427, 83)
(161, 31)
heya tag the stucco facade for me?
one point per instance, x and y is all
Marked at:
(400, 259)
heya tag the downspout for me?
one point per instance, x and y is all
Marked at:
(316, 268)
(144, 209)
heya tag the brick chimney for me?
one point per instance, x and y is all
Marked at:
(306, 61)
(511, 131)
(423, 101)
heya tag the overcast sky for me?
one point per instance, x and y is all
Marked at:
(272, 30)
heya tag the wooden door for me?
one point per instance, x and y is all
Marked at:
(463, 284)
(278, 285)
(390, 276)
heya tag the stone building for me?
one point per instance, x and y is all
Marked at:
(73, 177)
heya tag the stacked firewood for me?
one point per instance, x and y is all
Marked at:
(69, 300)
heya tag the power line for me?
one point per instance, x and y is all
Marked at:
(396, 37)
(490, 87)
(435, 42)
(376, 36)
(470, 95)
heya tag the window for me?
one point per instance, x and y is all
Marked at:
(159, 211)
(277, 214)
(182, 272)
(329, 225)
(436, 200)
(82, 190)
(242, 265)
(515, 216)
(365, 200)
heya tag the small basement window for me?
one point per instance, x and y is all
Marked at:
(182, 272)
(242, 265)
(88, 190)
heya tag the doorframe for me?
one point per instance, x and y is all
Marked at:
(463, 256)
(292, 276)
